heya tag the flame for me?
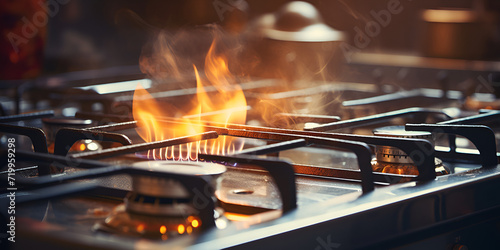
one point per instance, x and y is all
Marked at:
(181, 229)
(163, 229)
(226, 104)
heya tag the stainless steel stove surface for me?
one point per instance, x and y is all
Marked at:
(291, 187)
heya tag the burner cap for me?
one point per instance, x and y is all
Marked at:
(171, 188)
(399, 131)
(186, 168)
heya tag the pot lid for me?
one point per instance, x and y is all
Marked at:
(297, 21)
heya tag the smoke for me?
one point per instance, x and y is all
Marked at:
(169, 57)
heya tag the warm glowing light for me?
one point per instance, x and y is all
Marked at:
(236, 217)
(195, 223)
(82, 147)
(163, 229)
(224, 103)
(189, 229)
(181, 229)
(220, 224)
(449, 15)
(140, 228)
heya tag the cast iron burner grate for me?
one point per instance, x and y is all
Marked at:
(283, 173)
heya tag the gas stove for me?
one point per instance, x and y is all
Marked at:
(263, 130)
(362, 175)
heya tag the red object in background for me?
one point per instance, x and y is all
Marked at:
(23, 30)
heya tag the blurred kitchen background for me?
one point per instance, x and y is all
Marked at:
(91, 34)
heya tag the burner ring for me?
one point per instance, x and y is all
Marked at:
(395, 161)
(141, 204)
(170, 188)
(392, 154)
(161, 227)
(168, 196)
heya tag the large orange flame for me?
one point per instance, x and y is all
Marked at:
(227, 104)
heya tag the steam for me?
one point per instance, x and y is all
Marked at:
(169, 58)
(353, 12)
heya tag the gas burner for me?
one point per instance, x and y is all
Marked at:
(160, 207)
(160, 196)
(395, 161)
(392, 154)
(53, 124)
(482, 101)
(153, 227)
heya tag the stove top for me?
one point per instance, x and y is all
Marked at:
(341, 179)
